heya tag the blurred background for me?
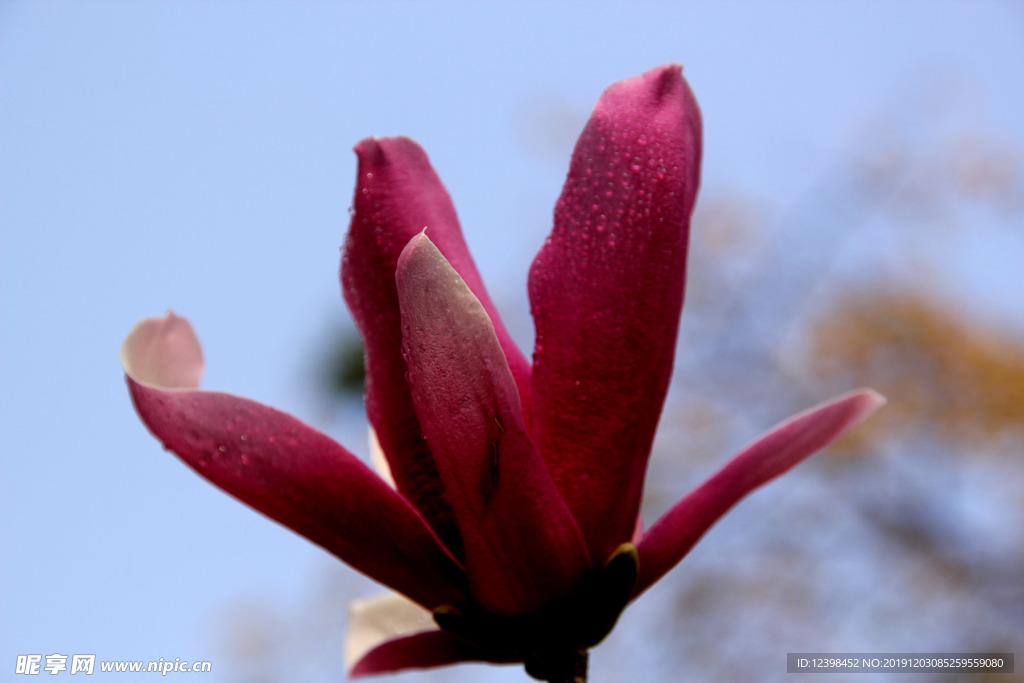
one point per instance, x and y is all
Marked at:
(860, 223)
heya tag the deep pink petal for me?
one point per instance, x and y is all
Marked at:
(521, 545)
(397, 195)
(606, 291)
(679, 529)
(421, 651)
(285, 469)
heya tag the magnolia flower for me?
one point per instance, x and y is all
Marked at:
(509, 524)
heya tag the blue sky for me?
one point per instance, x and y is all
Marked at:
(196, 155)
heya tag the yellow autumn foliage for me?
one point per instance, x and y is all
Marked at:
(941, 369)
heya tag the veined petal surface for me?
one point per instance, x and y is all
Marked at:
(283, 468)
(521, 546)
(397, 195)
(785, 445)
(606, 292)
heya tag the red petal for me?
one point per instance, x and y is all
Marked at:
(799, 437)
(521, 545)
(283, 468)
(606, 292)
(397, 195)
(421, 651)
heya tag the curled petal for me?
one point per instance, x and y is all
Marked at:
(283, 468)
(521, 545)
(679, 529)
(389, 633)
(376, 620)
(163, 352)
(397, 195)
(606, 291)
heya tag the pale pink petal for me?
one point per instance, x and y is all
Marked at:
(163, 352)
(378, 619)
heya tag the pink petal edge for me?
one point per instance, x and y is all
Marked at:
(782, 447)
(283, 468)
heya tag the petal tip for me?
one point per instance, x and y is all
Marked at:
(369, 149)
(163, 352)
(652, 88)
(869, 401)
(673, 71)
(877, 399)
(375, 150)
(419, 249)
